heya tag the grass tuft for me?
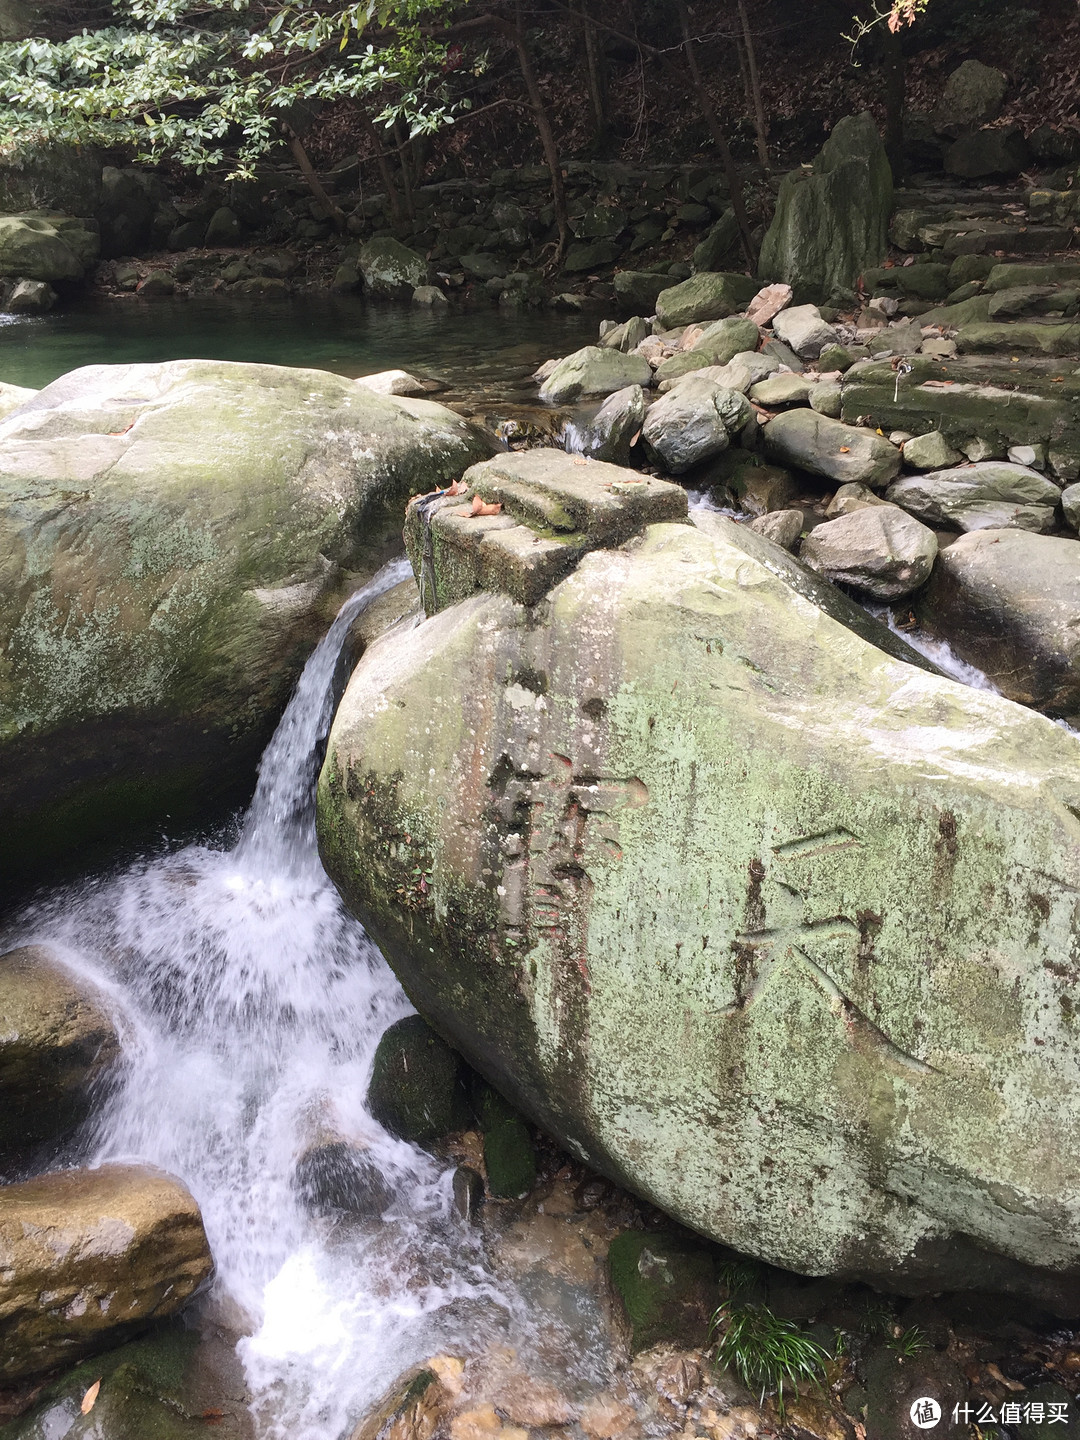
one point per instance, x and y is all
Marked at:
(768, 1354)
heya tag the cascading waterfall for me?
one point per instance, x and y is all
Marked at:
(252, 1004)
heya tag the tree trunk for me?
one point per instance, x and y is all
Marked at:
(719, 138)
(597, 71)
(315, 185)
(547, 135)
(402, 142)
(760, 124)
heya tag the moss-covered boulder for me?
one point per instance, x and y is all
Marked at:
(758, 920)
(594, 370)
(390, 270)
(667, 1287)
(173, 539)
(417, 1083)
(831, 221)
(709, 295)
(87, 1257)
(509, 1153)
(58, 1047)
(42, 245)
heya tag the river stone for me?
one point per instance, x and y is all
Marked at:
(616, 425)
(30, 297)
(58, 1045)
(929, 452)
(850, 498)
(42, 245)
(990, 495)
(1007, 601)
(782, 527)
(816, 963)
(224, 228)
(717, 345)
(667, 1287)
(693, 423)
(391, 270)
(334, 1177)
(876, 549)
(709, 295)
(173, 539)
(636, 290)
(89, 1256)
(827, 398)
(12, 398)
(593, 370)
(782, 390)
(831, 219)
(972, 95)
(846, 453)
(392, 382)
(625, 337)
(416, 1090)
(802, 327)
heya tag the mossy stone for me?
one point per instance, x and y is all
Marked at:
(510, 1159)
(667, 1286)
(416, 1089)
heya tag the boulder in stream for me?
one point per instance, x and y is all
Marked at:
(87, 1257)
(846, 453)
(417, 1083)
(876, 549)
(42, 245)
(175, 537)
(390, 270)
(988, 496)
(758, 920)
(594, 370)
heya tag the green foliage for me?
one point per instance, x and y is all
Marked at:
(908, 1342)
(737, 1275)
(768, 1354)
(211, 82)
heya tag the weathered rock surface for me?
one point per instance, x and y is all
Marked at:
(929, 452)
(782, 527)
(13, 397)
(636, 290)
(58, 1044)
(171, 537)
(42, 245)
(594, 370)
(802, 327)
(548, 509)
(416, 1089)
(30, 297)
(708, 295)
(89, 1256)
(827, 447)
(391, 270)
(990, 152)
(832, 220)
(877, 549)
(1007, 602)
(718, 345)
(611, 433)
(812, 967)
(973, 95)
(987, 496)
(693, 423)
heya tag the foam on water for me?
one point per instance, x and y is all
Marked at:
(251, 1005)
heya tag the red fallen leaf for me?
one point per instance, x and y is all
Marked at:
(457, 488)
(479, 508)
(125, 429)
(845, 449)
(889, 265)
(89, 1398)
(636, 438)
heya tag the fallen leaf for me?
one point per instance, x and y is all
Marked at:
(89, 1398)
(992, 1369)
(580, 460)
(213, 1417)
(636, 438)
(845, 449)
(479, 507)
(457, 488)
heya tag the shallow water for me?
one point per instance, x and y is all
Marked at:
(476, 351)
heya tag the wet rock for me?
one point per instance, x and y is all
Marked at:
(929, 452)
(615, 426)
(417, 1083)
(604, 1418)
(693, 423)
(594, 371)
(392, 382)
(174, 534)
(827, 447)
(414, 1407)
(223, 228)
(850, 498)
(827, 398)
(667, 1287)
(338, 1177)
(1059, 1408)
(782, 527)
(878, 550)
(87, 1257)
(894, 1383)
(718, 344)
(30, 297)
(973, 95)
(509, 1153)
(468, 1191)
(637, 290)
(831, 220)
(391, 270)
(533, 1403)
(157, 283)
(429, 295)
(42, 245)
(591, 255)
(989, 495)
(58, 1048)
(1006, 600)
(708, 295)
(836, 357)
(746, 482)
(779, 390)
(719, 245)
(802, 327)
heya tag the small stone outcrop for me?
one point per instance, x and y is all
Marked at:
(58, 1048)
(972, 96)
(417, 1083)
(832, 220)
(87, 1257)
(594, 370)
(990, 495)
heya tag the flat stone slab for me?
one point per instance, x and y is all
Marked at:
(555, 509)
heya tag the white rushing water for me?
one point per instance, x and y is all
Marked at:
(252, 1005)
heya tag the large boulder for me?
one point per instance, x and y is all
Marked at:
(988, 496)
(416, 1089)
(87, 1257)
(391, 270)
(709, 295)
(832, 219)
(636, 290)
(757, 920)
(1007, 602)
(594, 370)
(58, 1046)
(12, 398)
(877, 549)
(129, 203)
(985, 153)
(694, 422)
(849, 454)
(173, 540)
(45, 246)
(614, 429)
(973, 95)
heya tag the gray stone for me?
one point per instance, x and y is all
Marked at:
(929, 452)
(1007, 601)
(616, 425)
(42, 245)
(636, 290)
(224, 228)
(129, 203)
(718, 344)
(1070, 504)
(831, 220)
(12, 398)
(430, 295)
(740, 479)
(157, 283)
(780, 390)
(973, 95)
(693, 423)
(627, 336)
(30, 297)
(705, 296)
(392, 382)
(802, 327)
(782, 527)
(991, 494)
(827, 398)
(824, 446)
(591, 255)
(986, 153)
(850, 498)
(876, 549)
(719, 245)
(594, 371)
(391, 270)
(482, 266)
